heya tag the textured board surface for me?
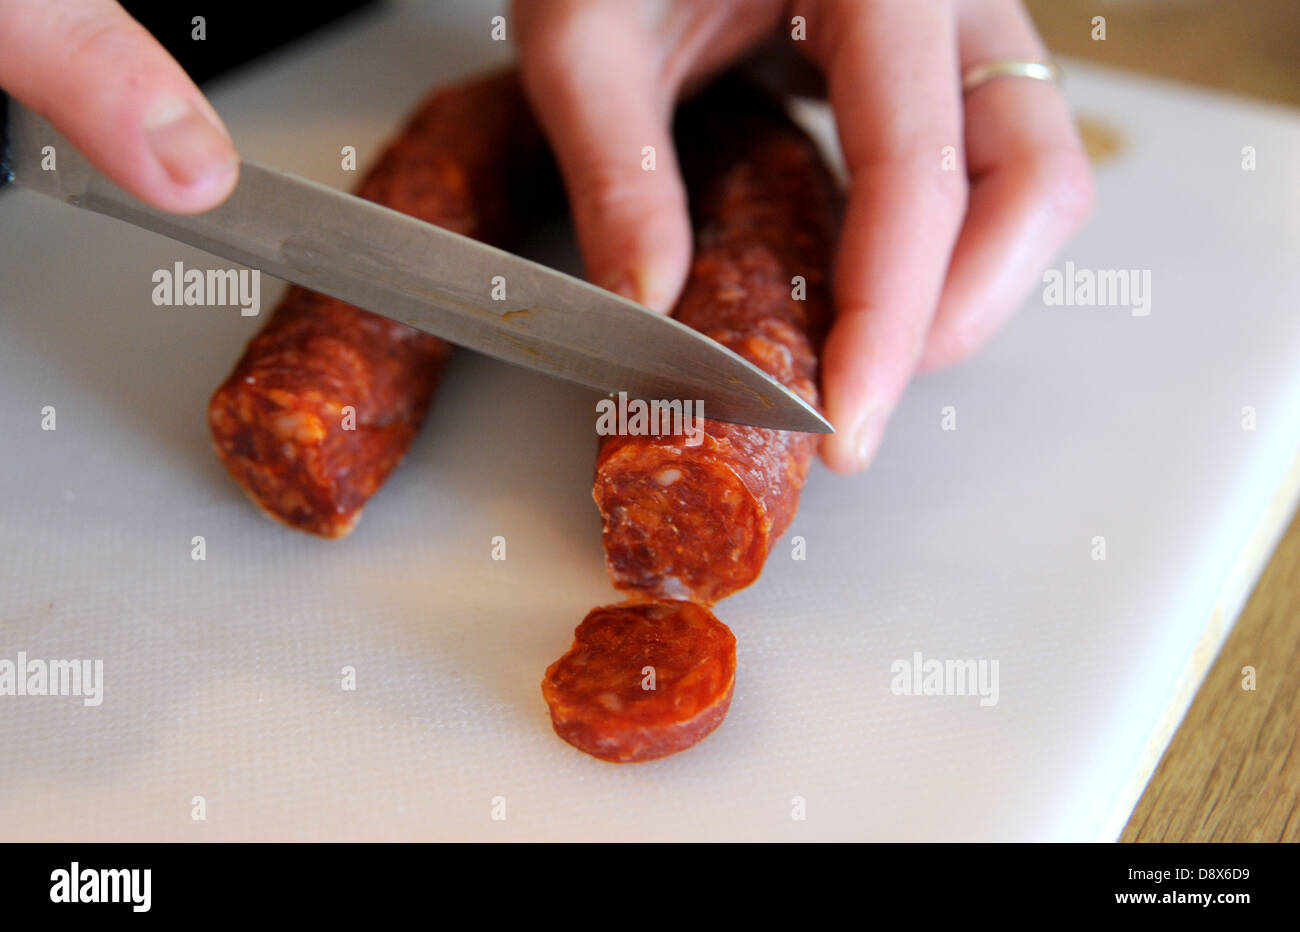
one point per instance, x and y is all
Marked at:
(222, 677)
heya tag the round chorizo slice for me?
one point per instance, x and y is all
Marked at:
(642, 680)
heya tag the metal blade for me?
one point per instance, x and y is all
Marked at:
(438, 281)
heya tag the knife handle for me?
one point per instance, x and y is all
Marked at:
(6, 170)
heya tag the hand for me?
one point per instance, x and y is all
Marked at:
(115, 93)
(931, 261)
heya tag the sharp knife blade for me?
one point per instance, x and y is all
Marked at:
(435, 280)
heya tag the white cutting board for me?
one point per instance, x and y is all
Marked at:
(223, 677)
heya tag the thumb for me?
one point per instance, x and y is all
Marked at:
(117, 95)
(592, 78)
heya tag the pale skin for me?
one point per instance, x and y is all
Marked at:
(931, 262)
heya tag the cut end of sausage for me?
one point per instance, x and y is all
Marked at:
(320, 410)
(677, 524)
(642, 680)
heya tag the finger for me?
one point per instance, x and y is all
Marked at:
(1030, 184)
(107, 85)
(593, 79)
(892, 73)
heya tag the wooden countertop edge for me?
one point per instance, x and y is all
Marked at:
(1236, 591)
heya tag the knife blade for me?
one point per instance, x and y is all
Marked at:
(446, 284)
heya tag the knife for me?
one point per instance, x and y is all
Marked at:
(430, 278)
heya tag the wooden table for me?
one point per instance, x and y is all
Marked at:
(1232, 770)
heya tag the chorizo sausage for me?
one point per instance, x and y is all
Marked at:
(697, 522)
(642, 680)
(327, 397)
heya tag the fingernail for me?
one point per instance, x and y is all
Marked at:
(186, 143)
(866, 435)
(621, 283)
(656, 297)
(644, 289)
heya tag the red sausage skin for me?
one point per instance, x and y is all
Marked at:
(327, 397)
(682, 522)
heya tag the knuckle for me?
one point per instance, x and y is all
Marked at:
(1063, 178)
(615, 189)
(104, 37)
(949, 345)
(549, 35)
(915, 166)
(952, 189)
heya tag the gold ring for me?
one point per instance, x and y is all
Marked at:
(1010, 68)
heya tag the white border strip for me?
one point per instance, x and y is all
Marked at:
(1237, 589)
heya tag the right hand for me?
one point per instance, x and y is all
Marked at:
(931, 261)
(115, 93)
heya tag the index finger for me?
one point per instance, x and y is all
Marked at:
(115, 93)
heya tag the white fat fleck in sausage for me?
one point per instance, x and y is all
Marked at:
(666, 477)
